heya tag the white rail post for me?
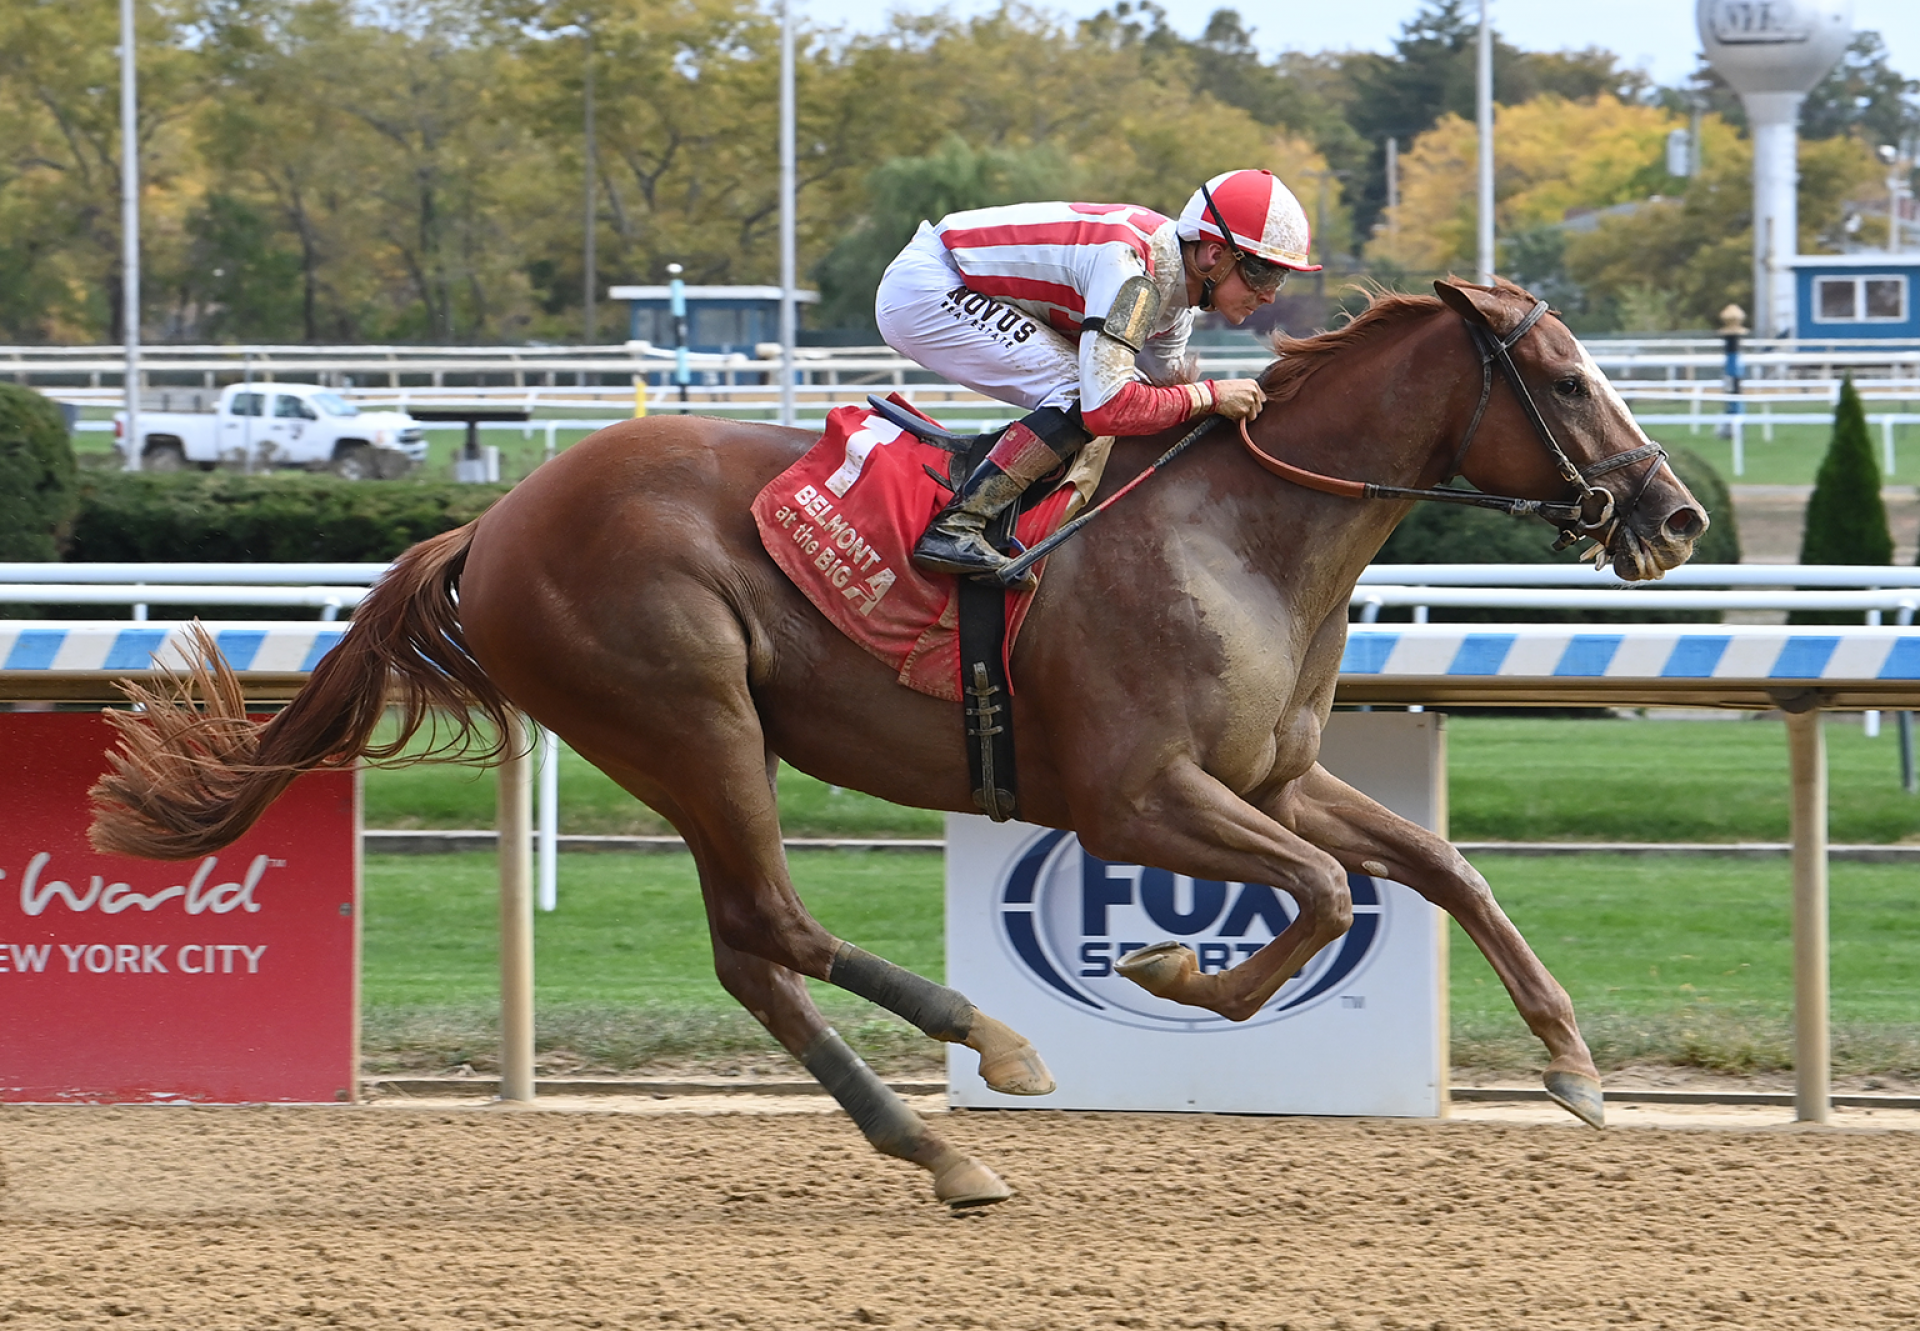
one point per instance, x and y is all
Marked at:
(1870, 719)
(516, 915)
(549, 897)
(1739, 447)
(1812, 1049)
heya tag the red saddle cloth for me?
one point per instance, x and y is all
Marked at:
(841, 523)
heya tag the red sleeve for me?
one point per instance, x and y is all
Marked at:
(1139, 409)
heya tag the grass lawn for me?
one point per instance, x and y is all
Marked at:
(1540, 779)
(1512, 779)
(447, 796)
(1676, 960)
(1793, 455)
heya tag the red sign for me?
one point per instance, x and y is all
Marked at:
(231, 978)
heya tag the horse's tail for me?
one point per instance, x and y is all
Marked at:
(187, 780)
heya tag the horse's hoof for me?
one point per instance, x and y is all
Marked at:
(1579, 1095)
(1008, 1064)
(965, 1183)
(1017, 1071)
(1160, 969)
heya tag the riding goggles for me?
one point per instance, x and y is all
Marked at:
(1262, 276)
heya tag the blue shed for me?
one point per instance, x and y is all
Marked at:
(719, 319)
(1856, 295)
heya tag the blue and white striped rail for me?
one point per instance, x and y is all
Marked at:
(77, 661)
(1632, 664)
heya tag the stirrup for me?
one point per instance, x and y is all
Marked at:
(965, 559)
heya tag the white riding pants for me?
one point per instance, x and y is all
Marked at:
(926, 313)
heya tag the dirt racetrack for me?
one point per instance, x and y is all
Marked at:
(382, 1217)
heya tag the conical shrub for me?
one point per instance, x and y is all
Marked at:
(1846, 520)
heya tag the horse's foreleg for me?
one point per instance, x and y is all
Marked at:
(778, 999)
(1008, 1064)
(1368, 838)
(1189, 823)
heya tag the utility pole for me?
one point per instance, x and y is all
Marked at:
(1483, 107)
(1322, 180)
(591, 263)
(1393, 192)
(130, 229)
(788, 329)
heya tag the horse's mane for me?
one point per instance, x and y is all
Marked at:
(1299, 357)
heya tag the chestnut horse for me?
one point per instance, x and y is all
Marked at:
(1173, 678)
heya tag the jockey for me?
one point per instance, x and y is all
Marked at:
(1080, 313)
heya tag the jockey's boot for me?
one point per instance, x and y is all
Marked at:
(956, 540)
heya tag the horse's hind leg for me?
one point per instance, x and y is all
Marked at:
(778, 999)
(694, 743)
(1368, 838)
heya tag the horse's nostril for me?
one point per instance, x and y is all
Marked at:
(1686, 523)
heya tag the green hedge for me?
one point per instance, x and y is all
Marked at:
(1444, 534)
(36, 476)
(297, 518)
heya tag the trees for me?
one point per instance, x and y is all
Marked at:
(333, 170)
(1556, 156)
(60, 182)
(1674, 262)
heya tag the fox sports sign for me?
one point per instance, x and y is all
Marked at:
(1035, 925)
(1067, 916)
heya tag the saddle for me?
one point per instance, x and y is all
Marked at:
(842, 522)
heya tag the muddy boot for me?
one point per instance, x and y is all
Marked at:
(956, 541)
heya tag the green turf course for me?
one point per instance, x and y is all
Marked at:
(1793, 455)
(1686, 960)
(1539, 779)
(1511, 779)
(449, 796)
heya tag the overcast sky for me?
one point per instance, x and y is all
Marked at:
(1656, 35)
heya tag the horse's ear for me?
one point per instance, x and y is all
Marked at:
(1477, 305)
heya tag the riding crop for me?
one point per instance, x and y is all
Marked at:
(1016, 569)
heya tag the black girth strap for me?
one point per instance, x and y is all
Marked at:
(988, 704)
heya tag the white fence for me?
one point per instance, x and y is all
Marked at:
(572, 388)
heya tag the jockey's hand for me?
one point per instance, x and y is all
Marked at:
(1238, 399)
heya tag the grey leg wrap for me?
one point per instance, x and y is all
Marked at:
(891, 1127)
(943, 1013)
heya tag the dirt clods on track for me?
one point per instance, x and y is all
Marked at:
(389, 1218)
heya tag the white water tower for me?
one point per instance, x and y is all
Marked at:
(1772, 52)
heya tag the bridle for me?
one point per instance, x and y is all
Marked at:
(1592, 516)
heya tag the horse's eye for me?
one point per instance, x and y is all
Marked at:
(1571, 385)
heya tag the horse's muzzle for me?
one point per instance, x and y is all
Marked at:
(1659, 534)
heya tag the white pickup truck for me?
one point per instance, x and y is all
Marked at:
(280, 425)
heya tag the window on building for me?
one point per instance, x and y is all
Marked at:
(1880, 298)
(1885, 298)
(653, 325)
(719, 327)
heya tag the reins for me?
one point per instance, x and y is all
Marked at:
(1592, 516)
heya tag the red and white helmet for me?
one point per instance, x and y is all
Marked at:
(1264, 217)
